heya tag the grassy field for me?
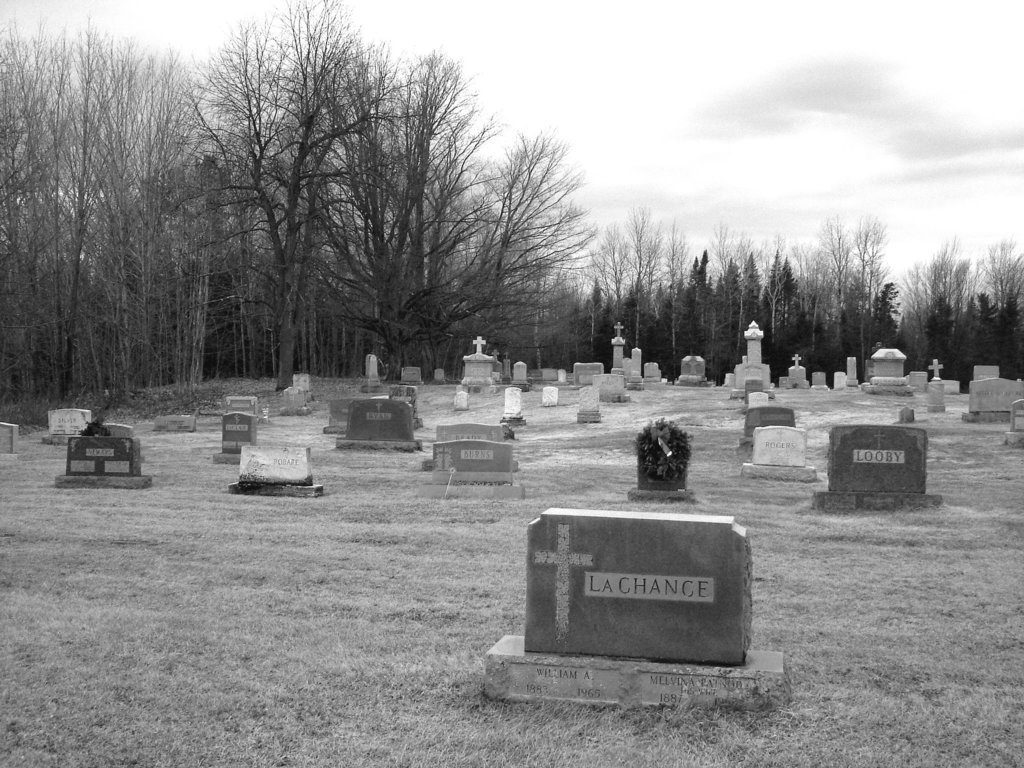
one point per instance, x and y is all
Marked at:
(184, 626)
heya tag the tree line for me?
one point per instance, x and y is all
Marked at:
(305, 197)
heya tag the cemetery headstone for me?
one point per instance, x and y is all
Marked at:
(294, 402)
(371, 370)
(8, 441)
(439, 376)
(548, 374)
(851, 372)
(242, 404)
(784, 382)
(380, 424)
(562, 377)
(103, 462)
(301, 381)
(618, 347)
(918, 381)
(887, 377)
(549, 397)
(692, 372)
(990, 400)
(182, 423)
(905, 415)
(662, 463)
(491, 432)
(797, 374)
(461, 400)
(652, 373)
(478, 466)
(818, 381)
(839, 381)
(611, 387)
(513, 413)
(589, 410)
(766, 416)
(757, 399)
(520, 378)
(936, 396)
(637, 609)
(408, 394)
(635, 373)
(477, 370)
(877, 468)
(730, 380)
(1015, 436)
(119, 430)
(411, 375)
(985, 372)
(275, 472)
(64, 423)
(779, 453)
(237, 429)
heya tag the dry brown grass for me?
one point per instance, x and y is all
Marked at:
(182, 625)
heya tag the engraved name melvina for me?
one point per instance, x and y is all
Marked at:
(690, 589)
(878, 456)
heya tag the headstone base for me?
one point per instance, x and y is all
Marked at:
(681, 495)
(513, 421)
(820, 388)
(271, 489)
(887, 389)
(511, 674)
(56, 439)
(481, 490)
(771, 472)
(227, 458)
(986, 417)
(741, 394)
(335, 429)
(107, 481)
(523, 386)
(1016, 439)
(428, 465)
(849, 501)
(303, 411)
(409, 446)
(588, 417)
(632, 386)
(692, 381)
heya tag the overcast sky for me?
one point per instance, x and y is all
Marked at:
(765, 117)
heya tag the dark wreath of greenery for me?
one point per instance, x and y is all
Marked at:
(653, 460)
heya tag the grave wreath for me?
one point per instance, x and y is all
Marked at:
(662, 455)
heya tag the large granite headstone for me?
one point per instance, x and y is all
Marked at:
(337, 414)
(766, 416)
(237, 429)
(293, 402)
(103, 462)
(611, 388)
(583, 373)
(637, 609)
(275, 472)
(242, 404)
(990, 399)
(64, 423)
(474, 467)
(876, 467)
(380, 423)
(692, 370)
(985, 372)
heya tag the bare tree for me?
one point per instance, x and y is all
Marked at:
(1003, 271)
(645, 243)
(608, 262)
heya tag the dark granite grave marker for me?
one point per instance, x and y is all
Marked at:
(448, 432)
(767, 416)
(237, 429)
(380, 423)
(103, 462)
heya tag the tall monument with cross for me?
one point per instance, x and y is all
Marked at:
(752, 369)
(478, 369)
(618, 342)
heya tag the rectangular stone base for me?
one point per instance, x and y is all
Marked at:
(227, 458)
(849, 501)
(409, 446)
(511, 674)
(589, 417)
(986, 417)
(104, 481)
(647, 495)
(456, 491)
(771, 472)
(269, 489)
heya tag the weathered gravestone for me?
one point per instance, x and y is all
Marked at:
(652, 373)
(182, 423)
(887, 377)
(242, 404)
(439, 376)
(839, 381)
(877, 468)
(64, 423)
(589, 409)
(513, 414)
(275, 472)
(237, 429)
(411, 374)
(637, 609)
(990, 400)
(936, 396)
(779, 453)
(473, 467)
(380, 424)
(757, 399)
(548, 374)
(337, 414)
(562, 378)
(104, 462)
(692, 372)
(851, 372)
(293, 402)
(461, 402)
(549, 397)
(583, 373)
(765, 416)
(797, 374)
(818, 381)
(905, 416)
(301, 381)
(477, 369)
(918, 381)
(985, 372)
(372, 372)
(447, 432)
(1015, 436)
(119, 430)
(520, 378)
(611, 387)
(8, 441)
(730, 380)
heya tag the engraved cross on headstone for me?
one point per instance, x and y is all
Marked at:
(479, 342)
(796, 361)
(935, 367)
(563, 559)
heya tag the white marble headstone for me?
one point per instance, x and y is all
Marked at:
(513, 403)
(780, 446)
(549, 397)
